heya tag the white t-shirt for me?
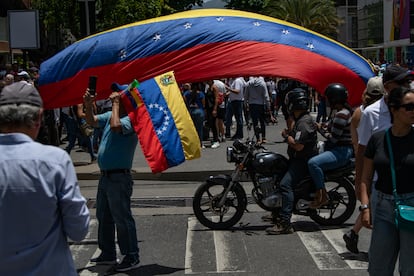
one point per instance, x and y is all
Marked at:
(374, 118)
(238, 84)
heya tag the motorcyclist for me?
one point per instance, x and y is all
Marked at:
(338, 147)
(302, 141)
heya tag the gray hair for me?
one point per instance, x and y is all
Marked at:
(22, 115)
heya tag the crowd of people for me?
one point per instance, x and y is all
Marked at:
(216, 107)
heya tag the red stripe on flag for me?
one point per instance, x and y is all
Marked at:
(150, 144)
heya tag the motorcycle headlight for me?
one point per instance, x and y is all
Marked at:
(229, 154)
(239, 146)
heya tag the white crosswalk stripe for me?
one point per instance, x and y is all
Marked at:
(326, 247)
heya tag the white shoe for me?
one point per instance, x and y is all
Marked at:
(215, 145)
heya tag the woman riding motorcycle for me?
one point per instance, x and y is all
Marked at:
(338, 148)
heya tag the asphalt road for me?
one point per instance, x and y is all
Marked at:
(173, 242)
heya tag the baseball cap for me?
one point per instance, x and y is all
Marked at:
(395, 73)
(375, 86)
(23, 73)
(20, 93)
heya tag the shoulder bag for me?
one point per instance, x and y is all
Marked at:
(404, 214)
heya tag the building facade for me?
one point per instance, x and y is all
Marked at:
(382, 30)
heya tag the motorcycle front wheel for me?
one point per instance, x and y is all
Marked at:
(207, 210)
(341, 206)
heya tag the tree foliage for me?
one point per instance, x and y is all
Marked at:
(247, 5)
(317, 15)
(60, 19)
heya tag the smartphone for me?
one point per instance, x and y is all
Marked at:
(92, 84)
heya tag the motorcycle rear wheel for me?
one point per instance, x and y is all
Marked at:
(207, 211)
(341, 205)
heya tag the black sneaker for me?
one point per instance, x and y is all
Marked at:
(102, 260)
(128, 263)
(351, 241)
(282, 227)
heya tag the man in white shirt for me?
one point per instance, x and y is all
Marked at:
(236, 101)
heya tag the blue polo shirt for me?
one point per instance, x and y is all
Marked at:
(116, 150)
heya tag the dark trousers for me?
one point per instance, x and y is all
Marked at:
(298, 169)
(237, 108)
(211, 120)
(113, 210)
(257, 112)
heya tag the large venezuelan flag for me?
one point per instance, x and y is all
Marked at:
(161, 120)
(200, 45)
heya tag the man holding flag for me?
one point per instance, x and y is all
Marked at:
(113, 201)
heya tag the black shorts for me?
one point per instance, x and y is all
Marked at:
(221, 113)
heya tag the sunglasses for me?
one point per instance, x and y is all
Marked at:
(408, 106)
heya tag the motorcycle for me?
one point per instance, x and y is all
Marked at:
(220, 202)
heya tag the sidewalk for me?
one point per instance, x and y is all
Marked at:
(212, 161)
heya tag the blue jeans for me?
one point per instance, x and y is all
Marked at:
(113, 209)
(237, 107)
(257, 112)
(71, 125)
(331, 159)
(298, 169)
(387, 241)
(197, 114)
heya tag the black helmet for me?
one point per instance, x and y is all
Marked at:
(297, 99)
(336, 93)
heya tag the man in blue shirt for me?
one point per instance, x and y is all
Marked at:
(113, 210)
(40, 202)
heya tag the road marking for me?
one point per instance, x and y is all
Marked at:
(224, 260)
(188, 244)
(323, 254)
(80, 248)
(335, 238)
(222, 250)
(91, 269)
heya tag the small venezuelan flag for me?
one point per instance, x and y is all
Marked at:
(162, 122)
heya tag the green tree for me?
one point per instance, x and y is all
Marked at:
(60, 19)
(246, 5)
(317, 15)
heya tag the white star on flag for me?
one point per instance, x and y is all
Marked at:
(219, 19)
(187, 25)
(285, 31)
(156, 37)
(166, 118)
(122, 54)
(310, 46)
(257, 24)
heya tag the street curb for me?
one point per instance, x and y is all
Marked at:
(198, 176)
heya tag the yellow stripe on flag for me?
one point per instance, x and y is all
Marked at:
(183, 121)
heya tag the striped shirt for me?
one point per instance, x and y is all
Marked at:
(340, 128)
